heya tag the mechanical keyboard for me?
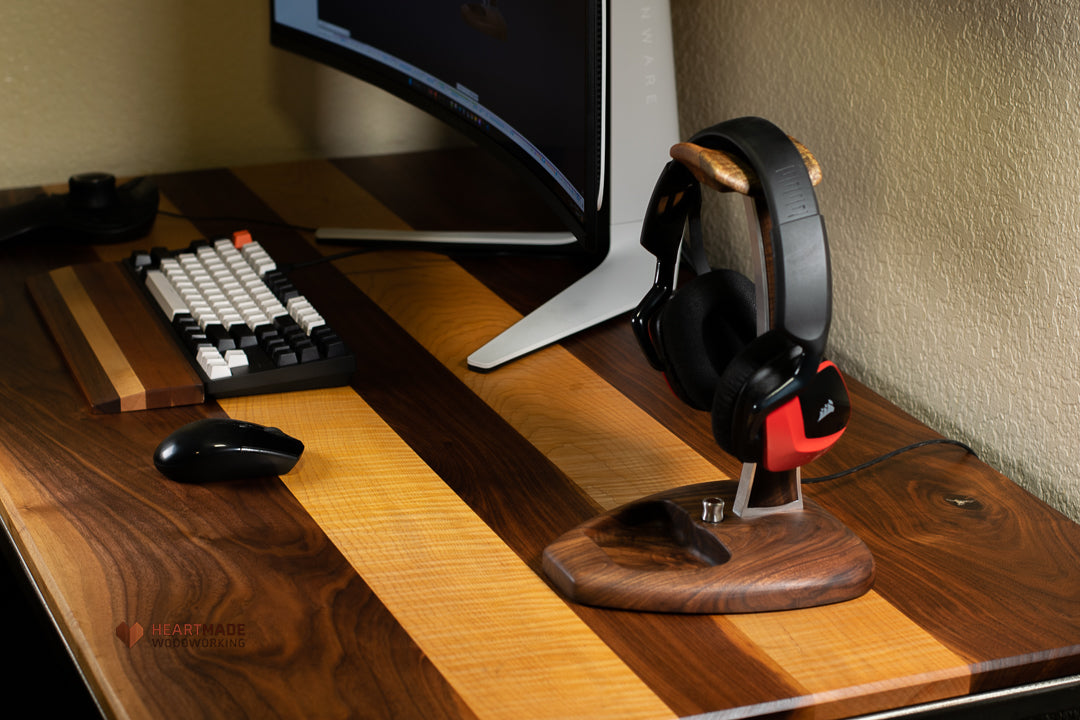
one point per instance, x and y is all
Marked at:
(243, 325)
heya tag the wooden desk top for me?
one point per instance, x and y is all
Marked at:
(396, 571)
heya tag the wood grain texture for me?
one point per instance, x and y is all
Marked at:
(658, 554)
(114, 343)
(56, 311)
(604, 433)
(107, 353)
(726, 173)
(612, 353)
(608, 445)
(857, 657)
(109, 540)
(947, 521)
(609, 451)
(467, 600)
(969, 595)
(314, 636)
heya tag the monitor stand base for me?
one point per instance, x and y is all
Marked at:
(613, 287)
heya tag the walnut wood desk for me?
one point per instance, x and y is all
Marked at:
(395, 573)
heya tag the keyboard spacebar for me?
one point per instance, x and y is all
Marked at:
(162, 290)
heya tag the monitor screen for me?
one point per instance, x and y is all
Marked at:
(520, 77)
(577, 96)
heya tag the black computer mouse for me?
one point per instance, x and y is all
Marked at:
(215, 449)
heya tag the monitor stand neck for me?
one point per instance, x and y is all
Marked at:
(615, 286)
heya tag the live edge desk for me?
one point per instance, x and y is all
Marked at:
(396, 571)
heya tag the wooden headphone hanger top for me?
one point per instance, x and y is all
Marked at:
(725, 173)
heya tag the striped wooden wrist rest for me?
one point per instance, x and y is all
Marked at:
(120, 352)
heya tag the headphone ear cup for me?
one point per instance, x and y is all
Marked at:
(703, 326)
(761, 368)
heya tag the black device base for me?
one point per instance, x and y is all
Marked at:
(94, 210)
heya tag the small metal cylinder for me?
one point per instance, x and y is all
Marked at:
(712, 510)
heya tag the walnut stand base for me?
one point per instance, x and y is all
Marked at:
(659, 554)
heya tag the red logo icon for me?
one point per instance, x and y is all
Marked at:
(129, 635)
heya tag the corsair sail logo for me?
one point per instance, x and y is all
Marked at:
(648, 76)
(827, 409)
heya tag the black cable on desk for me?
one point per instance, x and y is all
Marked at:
(269, 223)
(238, 220)
(888, 456)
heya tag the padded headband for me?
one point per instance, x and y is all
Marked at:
(797, 256)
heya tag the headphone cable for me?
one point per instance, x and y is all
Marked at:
(889, 456)
(235, 219)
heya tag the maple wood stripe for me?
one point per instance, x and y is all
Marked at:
(514, 489)
(858, 656)
(608, 445)
(149, 346)
(610, 448)
(616, 452)
(421, 418)
(78, 355)
(509, 646)
(613, 450)
(695, 646)
(108, 352)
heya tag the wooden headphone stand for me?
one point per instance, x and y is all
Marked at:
(676, 552)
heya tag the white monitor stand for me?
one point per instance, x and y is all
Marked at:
(643, 124)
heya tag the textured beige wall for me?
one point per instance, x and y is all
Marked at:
(948, 131)
(949, 135)
(129, 86)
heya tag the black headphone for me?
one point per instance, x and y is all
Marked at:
(774, 399)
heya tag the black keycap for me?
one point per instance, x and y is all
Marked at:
(160, 253)
(141, 260)
(243, 336)
(219, 337)
(306, 350)
(196, 338)
(265, 333)
(328, 342)
(183, 323)
(284, 356)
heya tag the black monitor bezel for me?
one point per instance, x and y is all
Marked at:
(590, 225)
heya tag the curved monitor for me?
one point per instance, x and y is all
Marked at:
(569, 93)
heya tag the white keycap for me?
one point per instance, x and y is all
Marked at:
(165, 294)
(212, 363)
(236, 358)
